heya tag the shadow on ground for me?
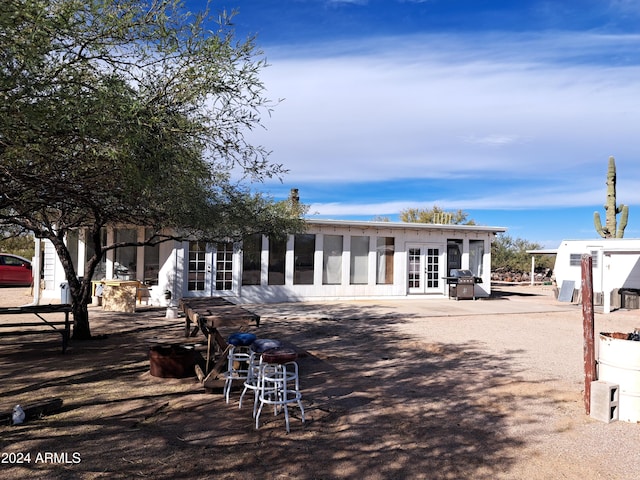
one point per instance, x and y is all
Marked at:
(379, 404)
(506, 291)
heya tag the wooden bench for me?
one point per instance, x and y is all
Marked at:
(18, 328)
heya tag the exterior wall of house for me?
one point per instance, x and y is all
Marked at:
(332, 260)
(53, 274)
(412, 247)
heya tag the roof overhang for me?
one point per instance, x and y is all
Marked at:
(404, 225)
(548, 251)
(610, 251)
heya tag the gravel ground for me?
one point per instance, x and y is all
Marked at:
(533, 353)
(427, 389)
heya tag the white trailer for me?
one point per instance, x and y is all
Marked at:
(616, 265)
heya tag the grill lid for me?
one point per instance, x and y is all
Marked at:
(456, 272)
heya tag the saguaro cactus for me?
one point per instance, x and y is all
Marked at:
(609, 230)
(443, 218)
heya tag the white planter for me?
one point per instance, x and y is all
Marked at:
(619, 363)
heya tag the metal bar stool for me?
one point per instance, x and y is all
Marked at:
(257, 348)
(237, 359)
(278, 383)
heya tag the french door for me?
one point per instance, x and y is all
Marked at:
(425, 268)
(210, 269)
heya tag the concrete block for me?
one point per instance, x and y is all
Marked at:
(629, 299)
(598, 298)
(616, 300)
(605, 401)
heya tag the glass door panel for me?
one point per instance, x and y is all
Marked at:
(224, 266)
(432, 273)
(199, 269)
(415, 270)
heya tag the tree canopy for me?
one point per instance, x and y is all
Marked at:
(130, 112)
(435, 215)
(510, 254)
(18, 245)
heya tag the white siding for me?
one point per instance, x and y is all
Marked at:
(173, 264)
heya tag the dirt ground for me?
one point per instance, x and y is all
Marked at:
(426, 389)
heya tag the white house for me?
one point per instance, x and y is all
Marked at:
(615, 265)
(333, 259)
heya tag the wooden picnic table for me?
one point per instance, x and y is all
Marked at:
(208, 314)
(27, 328)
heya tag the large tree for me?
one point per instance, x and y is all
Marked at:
(129, 112)
(510, 254)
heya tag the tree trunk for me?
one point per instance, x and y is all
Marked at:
(81, 294)
(81, 329)
(80, 290)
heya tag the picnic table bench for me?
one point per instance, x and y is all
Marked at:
(208, 315)
(28, 328)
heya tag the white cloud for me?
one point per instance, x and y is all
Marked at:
(494, 140)
(347, 2)
(514, 198)
(499, 200)
(522, 108)
(627, 7)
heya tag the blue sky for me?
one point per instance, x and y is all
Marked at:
(508, 110)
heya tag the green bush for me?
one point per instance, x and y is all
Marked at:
(510, 254)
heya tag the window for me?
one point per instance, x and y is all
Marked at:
(277, 254)
(251, 261)
(454, 255)
(359, 272)
(101, 269)
(575, 259)
(304, 248)
(73, 239)
(332, 260)
(151, 260)
(11, 261)
(126, 258)
(476, 256)
(224, 266)
(385, 248)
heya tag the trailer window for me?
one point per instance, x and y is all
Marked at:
(575, 259)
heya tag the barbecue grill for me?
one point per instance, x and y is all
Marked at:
(462, 284)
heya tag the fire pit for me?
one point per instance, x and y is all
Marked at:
(462, 284)
(172, 361)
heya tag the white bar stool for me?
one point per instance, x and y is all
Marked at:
(255, 353)
(238, 359)
(278, 383)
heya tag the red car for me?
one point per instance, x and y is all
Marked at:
(15, 270)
